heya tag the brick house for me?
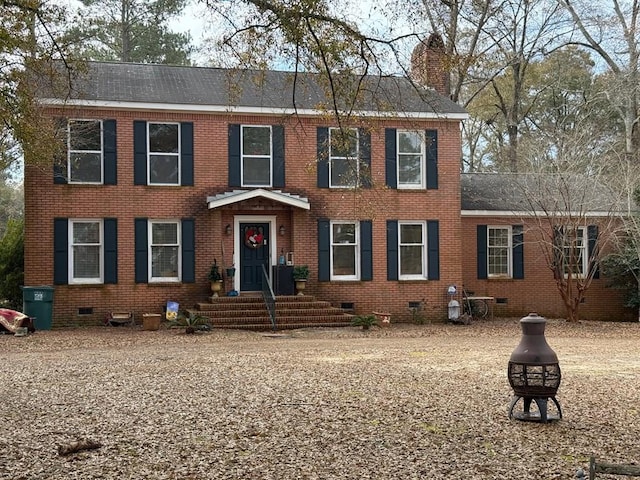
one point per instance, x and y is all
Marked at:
(168, 168)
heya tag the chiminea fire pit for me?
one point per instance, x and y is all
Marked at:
(534, 372)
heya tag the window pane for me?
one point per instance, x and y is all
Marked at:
(256, 141)
(344, 260)
(344, 143)
(411, 234)
(86, 262)
(164, 233)
(410, 169)
(344, 173)
(409, 142)
(163, 169)
(344, 233)
(85, 167)
(498, 261)
(256, 171)
(86, 232)
(164, 262)
(85, 135)
(163, 137)
(411, 260)
(498, 237)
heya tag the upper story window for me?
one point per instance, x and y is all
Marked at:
(164, 251)
(412, 245)
(164, 153)
(257, 156)
(345, 251)
(85, 251)
(85, 151)
(499, 250)
(411, 159)
(344, 164)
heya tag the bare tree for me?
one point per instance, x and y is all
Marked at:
(610, 29)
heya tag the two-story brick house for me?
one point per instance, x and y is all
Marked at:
(168, 168)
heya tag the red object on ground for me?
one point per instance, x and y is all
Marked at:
(10, 320)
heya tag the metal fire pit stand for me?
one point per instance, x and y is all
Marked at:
(541, 402)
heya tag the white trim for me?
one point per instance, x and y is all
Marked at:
(150, 277)
(357, 245)
(226, 109)
(523, 214)
(241, 195)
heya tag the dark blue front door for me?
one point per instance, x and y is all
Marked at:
(254, 252)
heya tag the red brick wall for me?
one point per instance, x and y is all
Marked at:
(537, 292)
(45, 201)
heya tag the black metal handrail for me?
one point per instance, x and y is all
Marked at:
(269, 297)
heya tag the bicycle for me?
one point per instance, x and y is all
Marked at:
(474, 307)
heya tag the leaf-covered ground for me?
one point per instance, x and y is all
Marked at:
(406, 402)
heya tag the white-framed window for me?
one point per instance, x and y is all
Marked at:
(411, 159)
(256, 151)
(574, 249)
(85, 152)
(412, 248)
(345, 250)
(86, 251)
(344, 163)
(163, 153)
(164, 251)
(499, 251)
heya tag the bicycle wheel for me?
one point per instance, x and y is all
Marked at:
(480, 308)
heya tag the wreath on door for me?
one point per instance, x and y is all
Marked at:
(253, 237)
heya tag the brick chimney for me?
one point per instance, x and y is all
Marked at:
(428, 65)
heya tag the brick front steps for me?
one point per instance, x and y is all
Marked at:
(292, 311)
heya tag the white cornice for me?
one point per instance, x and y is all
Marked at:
(189, 108)
(507, 213)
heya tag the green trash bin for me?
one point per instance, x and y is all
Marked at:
(37, 302)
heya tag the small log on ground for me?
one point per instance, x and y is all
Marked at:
(78, 446)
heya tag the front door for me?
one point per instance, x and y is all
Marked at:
(254, 252)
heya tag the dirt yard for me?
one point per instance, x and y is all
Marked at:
(407, 402)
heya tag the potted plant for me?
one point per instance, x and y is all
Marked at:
(215, 277)
(364, 321)
(300, 276)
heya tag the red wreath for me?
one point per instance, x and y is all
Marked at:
(253, 237)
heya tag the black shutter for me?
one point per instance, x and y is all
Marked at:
(186, 154)
(592, 234)
(139, 152)
(432, 159)
(278, 156)
(110, 145)
(392, 250)
(518, 252)
(558, 252)
(60, 251)
(234, 155)
(481, 234)
(141, 251)
(60, 159)
(110, 250)
(364, 147)
(324, 251)
(188, 251)
(390, 158)
(366, 250)
(433, 249)
(322, 166)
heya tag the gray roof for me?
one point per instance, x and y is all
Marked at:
(530, 192)
(180, 85)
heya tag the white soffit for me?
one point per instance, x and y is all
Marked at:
(228, 198)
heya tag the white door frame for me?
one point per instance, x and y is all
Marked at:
(237, 220)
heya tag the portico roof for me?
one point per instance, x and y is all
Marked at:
(235, 196)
